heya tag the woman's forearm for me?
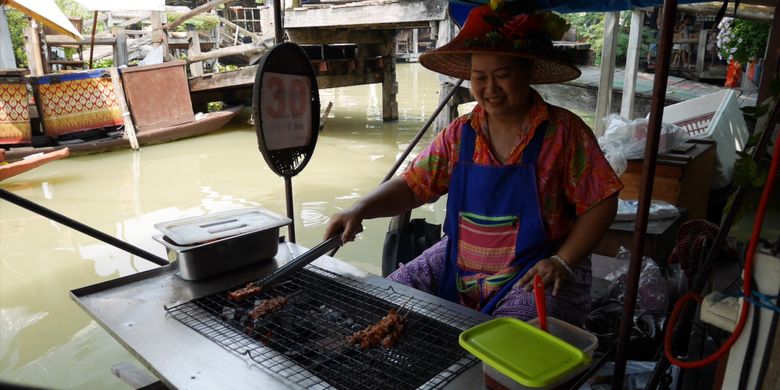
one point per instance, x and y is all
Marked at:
(588, 231)
(389, 199)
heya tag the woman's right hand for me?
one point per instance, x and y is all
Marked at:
(348, 222)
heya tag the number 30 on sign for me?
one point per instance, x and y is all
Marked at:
(286, 110)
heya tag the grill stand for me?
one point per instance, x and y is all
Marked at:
(132, 310)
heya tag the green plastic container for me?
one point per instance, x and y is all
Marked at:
(525, 354)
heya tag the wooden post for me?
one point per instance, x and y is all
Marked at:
(701, 52)
(92, 44)
(120, 97)
(632, 64)
(120, 48)
(415, 43)
(159, 36)
(604, 100)
(278, 28)
(196, 68)
(389, 82)
(34, 50)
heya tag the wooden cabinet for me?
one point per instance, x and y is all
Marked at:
(682, 177)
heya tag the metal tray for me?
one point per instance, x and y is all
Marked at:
(207, 228)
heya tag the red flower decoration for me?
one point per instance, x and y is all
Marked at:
(520, 26)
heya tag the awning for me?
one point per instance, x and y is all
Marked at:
(460, 8)
(45, 12)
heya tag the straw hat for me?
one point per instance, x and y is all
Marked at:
(523, 34)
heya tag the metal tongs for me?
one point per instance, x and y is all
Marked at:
(299, 262)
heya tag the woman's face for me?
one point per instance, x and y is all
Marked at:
(500, 83)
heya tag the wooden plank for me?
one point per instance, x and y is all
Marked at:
(133, 21)
(375, 14)
(607, 75)
(632, 64)
(196, 68)
(60, 40)
(229, 51)
(126, 119)
(335, 35)
(240, 29)
(195, 11)
(239, 77)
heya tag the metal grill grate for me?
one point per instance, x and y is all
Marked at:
(305, 342)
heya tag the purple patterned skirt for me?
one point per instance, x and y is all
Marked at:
(571, 305)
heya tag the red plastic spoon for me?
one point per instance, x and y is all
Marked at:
(541, 307)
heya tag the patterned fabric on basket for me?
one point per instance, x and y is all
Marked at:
(14, 115)
(77, 102)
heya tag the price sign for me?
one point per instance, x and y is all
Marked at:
(286, 108)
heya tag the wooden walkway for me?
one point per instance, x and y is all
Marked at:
(678, 89)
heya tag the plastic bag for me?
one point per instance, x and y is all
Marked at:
(155, 56)
(624, 139)
(653, 293)
(658, 210)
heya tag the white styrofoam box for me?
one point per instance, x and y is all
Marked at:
(715, 116)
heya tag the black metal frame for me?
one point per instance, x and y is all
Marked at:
(305, 342)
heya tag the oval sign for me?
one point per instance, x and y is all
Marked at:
(286, 107)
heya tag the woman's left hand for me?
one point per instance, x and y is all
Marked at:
(550, 271)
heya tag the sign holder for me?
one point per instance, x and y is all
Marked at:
(286, 107)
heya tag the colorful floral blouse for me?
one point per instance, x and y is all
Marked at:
(572, 173)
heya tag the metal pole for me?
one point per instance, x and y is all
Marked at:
(288, 195)
(421, 132)
(278, 28)
(73, 224)
(645, 189)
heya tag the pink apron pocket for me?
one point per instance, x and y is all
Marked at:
(486, 244)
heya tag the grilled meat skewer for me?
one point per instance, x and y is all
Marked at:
(247, 291)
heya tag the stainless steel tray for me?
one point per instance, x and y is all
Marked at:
(216, 226)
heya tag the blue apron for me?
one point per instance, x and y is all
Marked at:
(494, 224)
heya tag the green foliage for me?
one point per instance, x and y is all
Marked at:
(215, 106)
(17, 22)
(590, 29)
(752, 174)
(103, 63)
(200, 22)
(742, 40)
(754, 37)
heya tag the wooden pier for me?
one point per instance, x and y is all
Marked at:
(349, 43)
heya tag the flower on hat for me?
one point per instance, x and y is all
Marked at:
(531, 31)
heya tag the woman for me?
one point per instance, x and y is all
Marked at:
(529, 190)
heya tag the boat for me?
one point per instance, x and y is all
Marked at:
(102, 110)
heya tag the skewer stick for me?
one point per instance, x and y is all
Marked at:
(402, 307)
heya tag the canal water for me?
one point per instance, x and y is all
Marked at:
(47, 340)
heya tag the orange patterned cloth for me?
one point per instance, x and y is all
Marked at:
(14, 115)
(77, 102)
(572, 174)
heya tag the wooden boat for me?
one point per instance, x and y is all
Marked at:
(152, 102)
(208, 123)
